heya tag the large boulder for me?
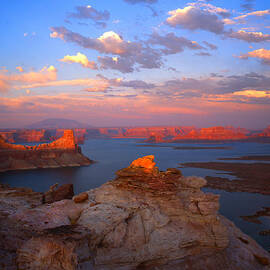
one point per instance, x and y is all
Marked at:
(143, 219)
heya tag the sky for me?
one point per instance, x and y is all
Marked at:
(135, 62)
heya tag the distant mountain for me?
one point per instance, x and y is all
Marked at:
(58, 123)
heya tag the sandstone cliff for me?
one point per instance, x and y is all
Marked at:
(144, 219)
(60, 153)
(152, 134)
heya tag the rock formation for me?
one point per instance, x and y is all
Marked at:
(60, 153)
(214, 133)
(152, 134)
(143, 219)
(154, 138)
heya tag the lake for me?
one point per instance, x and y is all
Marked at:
(113, 154)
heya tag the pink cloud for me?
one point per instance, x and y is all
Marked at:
(258, 13)
(45, 75)
(262, 54)
(249, 36)
(195, 17)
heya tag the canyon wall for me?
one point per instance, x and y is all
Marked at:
(152, 134)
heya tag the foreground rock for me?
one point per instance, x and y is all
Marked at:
(62, 152)
(144, 219)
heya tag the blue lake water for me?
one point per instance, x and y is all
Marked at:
(113, 154)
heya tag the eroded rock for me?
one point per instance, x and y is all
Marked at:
(80, 197)
(144, 219)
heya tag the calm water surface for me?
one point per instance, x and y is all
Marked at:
(114, 154)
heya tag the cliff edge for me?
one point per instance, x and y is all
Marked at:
(62, 152)
(143, 219)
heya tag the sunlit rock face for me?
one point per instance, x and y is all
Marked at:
(62, 152)
(214, 133)
(143, 219)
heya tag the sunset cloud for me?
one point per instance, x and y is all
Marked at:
(261, 54)
(4, 85)
(109, 42)
(173, 44)
(96, 85)
(249, 36)
(258, 13)
(194, 17)
(20, 69)
(80, 59)
(122, 64)
(44, 75)
(253, 93)
(130, 53)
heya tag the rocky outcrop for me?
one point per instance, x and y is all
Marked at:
(143, 219)
(55, 193)
(154, 138)
(60, 153)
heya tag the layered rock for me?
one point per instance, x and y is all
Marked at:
(214, 133)
(144, 219)
(60, 153)
(152, 134)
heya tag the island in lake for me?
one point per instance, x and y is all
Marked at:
(63, 152)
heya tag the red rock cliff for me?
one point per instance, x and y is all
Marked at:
(67, 141)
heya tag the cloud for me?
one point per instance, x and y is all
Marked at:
(212, 85)
(122, 64)
(88, 12)
(96, 85)
(203, 54)
(131, 53)
(261, 54)
(212, 9)
(80, 59)
(137, 84)
(248, 5)
(46, 74)
(229, 21)
(250, 80)
(20, 69)
(253, 93)
(196, 18)
(141, 1)
(110, 42)
(249, 36)
(172, 43)
(123, 102)
(4, 85)
(210, 45)
(258, 13)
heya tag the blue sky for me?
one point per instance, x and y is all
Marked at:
(135, 62)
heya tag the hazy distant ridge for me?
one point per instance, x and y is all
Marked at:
(58, 123)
